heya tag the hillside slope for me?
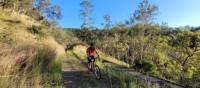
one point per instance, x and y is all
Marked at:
(27, 58)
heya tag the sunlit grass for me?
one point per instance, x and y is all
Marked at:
(25, 61)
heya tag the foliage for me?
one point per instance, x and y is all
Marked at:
(108, 21)
(145, 12)
(166, 53)
(146, 66)
(53, 12)
(41, 5)
(38, 31)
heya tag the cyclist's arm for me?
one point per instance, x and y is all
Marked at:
(97, 53)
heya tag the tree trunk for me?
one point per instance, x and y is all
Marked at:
(189, 55)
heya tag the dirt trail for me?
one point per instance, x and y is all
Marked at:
(80, 79)
(69, 75)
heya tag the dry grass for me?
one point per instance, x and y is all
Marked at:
(15, 18)
(26, 64)
(25, 61)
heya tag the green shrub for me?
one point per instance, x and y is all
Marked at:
(45, 66)
(144, 65)
(43, 58)
(38, 31)
(56, 71)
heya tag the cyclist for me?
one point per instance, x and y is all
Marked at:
(91, 51)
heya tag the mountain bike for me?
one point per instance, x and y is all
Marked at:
(95, 69)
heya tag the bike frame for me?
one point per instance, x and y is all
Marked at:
(93, 67)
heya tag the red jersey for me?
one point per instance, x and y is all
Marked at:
(90, 51)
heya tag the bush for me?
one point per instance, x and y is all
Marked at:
(43, 58)
(46, 67)
(145, 66)
(38, 31)
(56, 71)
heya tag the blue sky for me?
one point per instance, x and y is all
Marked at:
(174, 12)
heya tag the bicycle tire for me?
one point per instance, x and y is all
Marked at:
(97, 72)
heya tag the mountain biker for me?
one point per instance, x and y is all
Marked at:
(91, 53)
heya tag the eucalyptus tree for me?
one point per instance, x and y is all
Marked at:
(86, 13)
(143, 17)
(108, 21)
(145, 13)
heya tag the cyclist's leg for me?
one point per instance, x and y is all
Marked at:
(96, 69)
(92, 62)
(89, 64)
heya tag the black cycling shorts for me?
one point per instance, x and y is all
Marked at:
(90, 58)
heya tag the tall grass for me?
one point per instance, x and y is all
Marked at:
(126, 80)
(28, 59)
(27, 62)
(25, 66)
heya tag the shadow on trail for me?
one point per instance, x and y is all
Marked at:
(73, 79)
(82, 79)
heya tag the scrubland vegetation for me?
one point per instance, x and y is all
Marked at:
(29, 56)
(164, 52)
(33, 46)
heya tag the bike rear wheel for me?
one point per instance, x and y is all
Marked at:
(97, 72)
